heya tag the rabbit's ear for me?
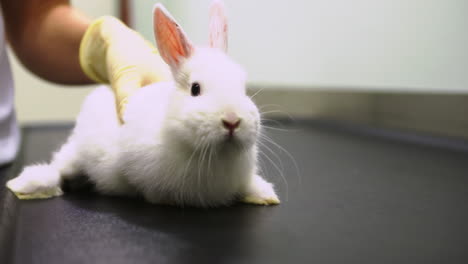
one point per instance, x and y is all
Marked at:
(218, 26)
(173, 44)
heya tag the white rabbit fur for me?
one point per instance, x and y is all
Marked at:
(172, 149)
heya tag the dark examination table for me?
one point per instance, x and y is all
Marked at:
(363, 196)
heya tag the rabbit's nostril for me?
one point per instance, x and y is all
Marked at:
(230, 121)
(231, 125)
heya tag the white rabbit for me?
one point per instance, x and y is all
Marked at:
(188, 142)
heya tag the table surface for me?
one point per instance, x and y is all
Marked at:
(357, 197)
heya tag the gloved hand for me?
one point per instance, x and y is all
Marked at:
(110, 52)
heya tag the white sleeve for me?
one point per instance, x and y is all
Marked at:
(9, 131)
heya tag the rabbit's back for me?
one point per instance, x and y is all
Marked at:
(103, 144)
(95, 138)
(97, 122)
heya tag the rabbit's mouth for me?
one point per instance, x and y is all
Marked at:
(230, 138)
(234, 141)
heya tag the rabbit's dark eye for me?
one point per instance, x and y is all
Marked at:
(195, 89)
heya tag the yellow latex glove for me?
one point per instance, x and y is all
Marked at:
(110, 52)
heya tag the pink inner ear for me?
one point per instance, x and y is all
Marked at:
(218, 27)
(172, 42)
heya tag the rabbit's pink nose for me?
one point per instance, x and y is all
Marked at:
(231, 126)
(231, 121)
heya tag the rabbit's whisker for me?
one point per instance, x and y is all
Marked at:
(257, 92)
(197, 146)
(296, 167)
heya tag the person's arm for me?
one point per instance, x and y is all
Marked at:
(45, 35)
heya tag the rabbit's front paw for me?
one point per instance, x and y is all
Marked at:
(36, 182)
(260, 192)
(259, 200)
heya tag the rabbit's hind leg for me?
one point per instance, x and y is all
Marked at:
(44, 180)
(69, 163)
(36, 182)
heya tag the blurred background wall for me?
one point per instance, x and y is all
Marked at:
(395, 63)
(371, 44)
